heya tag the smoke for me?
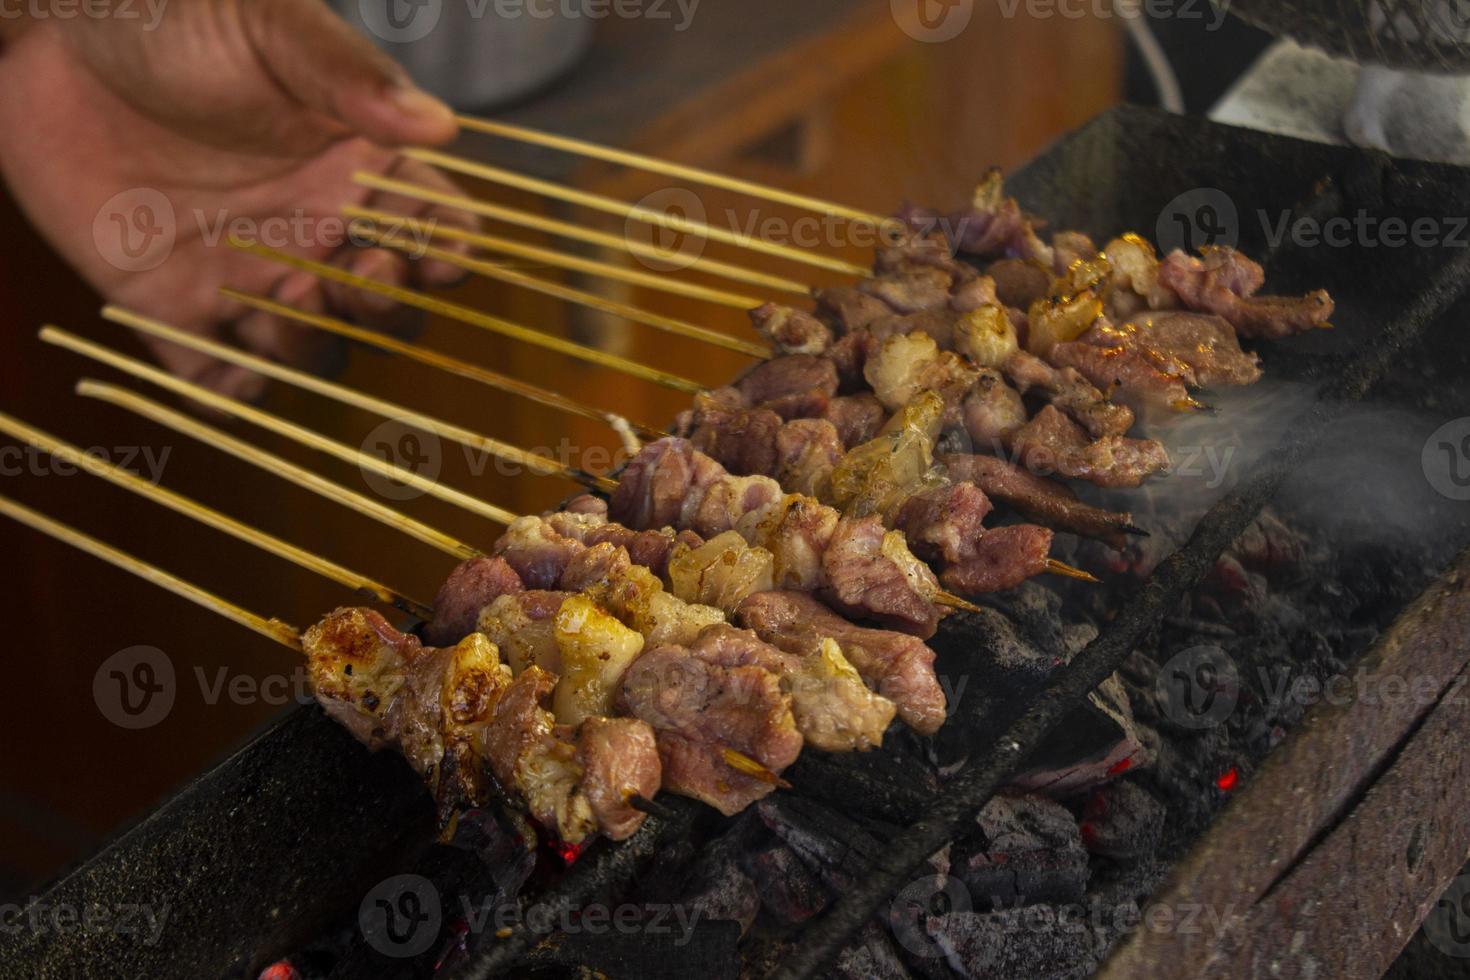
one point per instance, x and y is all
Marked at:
(1364, 485)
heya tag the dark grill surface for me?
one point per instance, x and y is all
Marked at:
(263, 853)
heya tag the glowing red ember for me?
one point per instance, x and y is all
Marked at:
(1228, 779)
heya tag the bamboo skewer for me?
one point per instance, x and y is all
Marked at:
(271, 463)
(640, 161)
(443, 362)
(1062, 568)
(551, 257)
(602, 239)
(272, 423)
(632, 212)
(271, 628)
(464, 314)
(536, 463)
(180, 504)
(503, 273)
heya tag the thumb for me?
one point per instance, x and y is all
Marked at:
(327, 66)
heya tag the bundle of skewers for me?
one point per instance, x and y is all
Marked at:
(763, 579)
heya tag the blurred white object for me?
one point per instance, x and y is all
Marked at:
(1299, 91)
(474, 54)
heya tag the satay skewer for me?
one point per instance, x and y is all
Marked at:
(274, 629)
(453, 365)
(579, 297)
(551, 257)
(632, 212)
(276, 465)
(640, 161)
(475, 318)
(591, 236)
(272, 423)
(535, 462)
(118, 476)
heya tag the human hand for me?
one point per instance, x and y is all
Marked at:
(237, 114)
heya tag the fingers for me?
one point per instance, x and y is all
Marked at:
(287, 341)
(329, 67)
(430, 272)
(203, 370)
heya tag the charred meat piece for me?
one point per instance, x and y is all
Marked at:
(471, 587)
(908, 364)
(743, 440)
(849, 356)
(858, 418)
(806, 451)
(797, 534)
(1072, 393)
(834, 710)
(1019, 283)
(870, 572)
(1038, 498)
(1224, 283)
(605, 575)
(992, 411)
(791, 331)
(536, 552)
(1128, 375)
(795, 386)
(897, 666)
(1199, 348)
(523, 626)
(654, 485)
(913, 291)
(1053, 443)
(850, 308)
(619, 760)
(1002, 559)
(699, 707)
(939, 324)
(920, 252)
(946, 523)
(973, 294)
(530, 759)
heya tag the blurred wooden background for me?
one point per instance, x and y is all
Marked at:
(830, 98)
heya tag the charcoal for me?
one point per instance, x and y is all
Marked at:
(1122, 821)
(1097, 743)
(834, 847)
(871, 956)
(785, 888)
(728, 895)
(642, 950)
(1028, 849)
(887, 786)
(1026, 942)
(1037, 613)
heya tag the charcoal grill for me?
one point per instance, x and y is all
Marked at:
(261, 853)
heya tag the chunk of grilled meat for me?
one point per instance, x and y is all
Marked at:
(1001, 559)
(1053, 443)
(523, 626)
(793, 386)
(471, 587)
(670, 480)
(699, 707)
(1070, 392)
(899, 667)
(791, 331)
(1200, 348)
(1224, 282)
(1038, 498)
(456, 714)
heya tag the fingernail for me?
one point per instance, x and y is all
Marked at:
(413, 101)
